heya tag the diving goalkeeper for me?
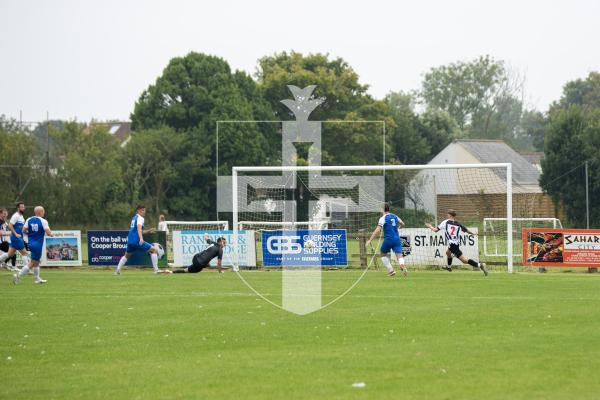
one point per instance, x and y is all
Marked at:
(202, 260)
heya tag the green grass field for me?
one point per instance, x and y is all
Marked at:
(436, 335)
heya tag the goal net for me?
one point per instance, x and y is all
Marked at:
(181, 226)
(339, 207)
(496, 231)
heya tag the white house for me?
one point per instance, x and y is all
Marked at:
(479, 193)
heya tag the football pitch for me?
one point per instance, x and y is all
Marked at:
(435, 335)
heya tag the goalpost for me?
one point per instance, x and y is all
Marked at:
(173, 226)
(278, 225)
(496, 230)
(270, 197)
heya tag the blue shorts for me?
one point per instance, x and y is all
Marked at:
(17, 243)
(36, 251)
(396, 246)
(132, 248)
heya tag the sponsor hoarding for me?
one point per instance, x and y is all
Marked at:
(62, 249)
(325, 247)
(107, 248)
(561, 247)
(188, 243)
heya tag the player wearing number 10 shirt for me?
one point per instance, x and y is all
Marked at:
(452, 229)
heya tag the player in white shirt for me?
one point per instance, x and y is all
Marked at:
(4, 236)
(15, 226)
(452, 229)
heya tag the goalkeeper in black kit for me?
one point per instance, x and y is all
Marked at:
(202, 260)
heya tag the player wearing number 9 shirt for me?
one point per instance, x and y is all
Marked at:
(452, 229)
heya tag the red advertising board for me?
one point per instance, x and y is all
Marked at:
(561, 247)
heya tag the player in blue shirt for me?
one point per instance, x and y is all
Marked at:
(390, 223)
(135, 241)
(36, 229)
(15, 226)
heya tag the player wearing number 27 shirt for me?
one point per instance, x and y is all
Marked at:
(452, 229)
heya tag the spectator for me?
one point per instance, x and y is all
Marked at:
(162, 224)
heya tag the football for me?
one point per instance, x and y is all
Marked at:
(309, 244)
(161, 251)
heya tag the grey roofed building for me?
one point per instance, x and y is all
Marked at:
(496, 151)
(121, 130)
(535, 158)
(436, 190)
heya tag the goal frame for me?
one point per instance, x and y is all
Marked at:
(170, 231)
(556, 224)
(225, 223)
(246, 225)
(383, 168)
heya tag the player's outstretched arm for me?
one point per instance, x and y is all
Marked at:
(375, 233)
(433, 228)
(207, 239)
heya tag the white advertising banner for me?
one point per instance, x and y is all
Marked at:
(429, 247)
(188, 243)
(62, 249)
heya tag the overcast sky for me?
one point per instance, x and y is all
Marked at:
(85, 59)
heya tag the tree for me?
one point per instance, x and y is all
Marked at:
(483, 96)
(463, 89)
(533, 130)
(87, 187)
(344, 99)
(191, 95)
(573, 135)
(582, 92)
(152, 158)
(20, 163)
(418, 138)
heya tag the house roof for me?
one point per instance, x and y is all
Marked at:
(120, 130)
(496, 151)
(533, 157)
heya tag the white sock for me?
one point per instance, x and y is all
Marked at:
(387, 263)
(122, 262)
(3, 257)
(24, 271)
(36, 272)
(154, 258)
(25, 260)
(400, 261)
